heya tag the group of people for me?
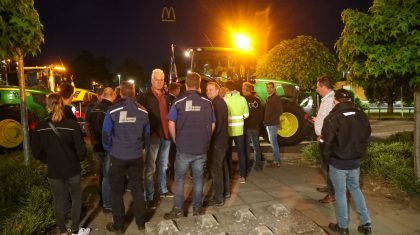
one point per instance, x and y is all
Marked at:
(200, 132)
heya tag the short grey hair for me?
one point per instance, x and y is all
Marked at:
(157, 72)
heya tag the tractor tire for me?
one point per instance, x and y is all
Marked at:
(293, 126)
(11, 132)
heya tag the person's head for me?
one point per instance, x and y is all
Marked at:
(229, 86)
(270, 88)
(127, 89)
(55, 107)
(66, 91)
(342, 96)
(212, 90)
(109, 94)
(247, 88)
(324, 85)
(193, 80)
(100, 92)
(175, 88)
(158, 79)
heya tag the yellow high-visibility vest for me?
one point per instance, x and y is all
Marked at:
(237, 112)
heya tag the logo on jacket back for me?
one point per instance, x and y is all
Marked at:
(189, 106)
(253, 105)
(124, 119)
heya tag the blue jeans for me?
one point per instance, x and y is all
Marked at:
(106, 188)
(182, 162)
(157, 150)
(349, 179)
(252, 137)
(272, 136)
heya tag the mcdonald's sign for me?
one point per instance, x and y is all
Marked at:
(168, 14)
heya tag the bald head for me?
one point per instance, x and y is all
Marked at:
(108, 94)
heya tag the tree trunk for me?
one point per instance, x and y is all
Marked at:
(416, 151)
(390, 108)
(23, 111)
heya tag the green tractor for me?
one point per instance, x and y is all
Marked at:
(219, 65)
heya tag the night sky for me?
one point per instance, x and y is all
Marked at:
(134, 28)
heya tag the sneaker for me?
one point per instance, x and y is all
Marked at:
(213, 202)
(242, 180)
(174, 214)
(274, 165)
(167, 194)
(106, 210)
(151, 204)
(197, 211)
(365, 228)
(82, 231)
(111, 228)
(227, 195)
(336, 228)
(323, 189)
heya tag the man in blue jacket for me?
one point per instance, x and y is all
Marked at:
(124, 133)
(344, 140)
(191, 123)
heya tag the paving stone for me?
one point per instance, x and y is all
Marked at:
(166, 227)
(279, 210)
(261, 230)
(206, 221)
(244, 215)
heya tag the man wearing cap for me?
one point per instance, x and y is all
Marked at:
(344, 140)
(253, 124)
(324, 87)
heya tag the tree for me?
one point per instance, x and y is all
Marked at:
(87, 68)
(382, 46)
(300, 60)
(131, 69)
(20, 34)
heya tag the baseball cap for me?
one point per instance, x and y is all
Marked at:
(342, 94)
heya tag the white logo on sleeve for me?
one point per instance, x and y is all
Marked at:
(124, 119)
(189, 106)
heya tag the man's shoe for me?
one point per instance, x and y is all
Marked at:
(213, 202)
(322, 189)
(141, 227)
(167, 194)
(151, 204)
(336, 228)
(365, 228)
(197, 211)
(242, 180)
(82, 231)
(110, 227)
(327, 199)
(106, 210)
(174, 214)
(274, 165)
(227, 195)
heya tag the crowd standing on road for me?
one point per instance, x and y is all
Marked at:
(133, 138)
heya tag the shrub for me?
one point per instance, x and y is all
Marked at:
(311, 152)
(392, 162)
(405, 136)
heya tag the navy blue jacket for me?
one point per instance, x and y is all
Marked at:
(125, 129)
(193, 116)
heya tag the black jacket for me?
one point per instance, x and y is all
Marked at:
(62, 157)
(151, 103)
(96, 120)
(345, 136)
(273, 110)
(220, 134)
(256, 113)
(68, 113)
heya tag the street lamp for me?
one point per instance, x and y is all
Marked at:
(131, 81)
(119, 79)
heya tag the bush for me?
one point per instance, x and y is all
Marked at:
(311, 152)
(394, 163)
(405, 136)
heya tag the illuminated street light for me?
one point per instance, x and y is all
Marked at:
(131, 81)
(119, 79)
(242, 42)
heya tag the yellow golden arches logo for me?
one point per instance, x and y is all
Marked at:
(168, 14)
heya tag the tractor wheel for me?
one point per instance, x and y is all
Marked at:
(11, 132)
(292, 125)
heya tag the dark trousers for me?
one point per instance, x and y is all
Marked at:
(252, 136)
(240, 149)
(60, 189)
(219, 172)
(118, 171)
(325, 167)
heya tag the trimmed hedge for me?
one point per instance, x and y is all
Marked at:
(391, 160)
